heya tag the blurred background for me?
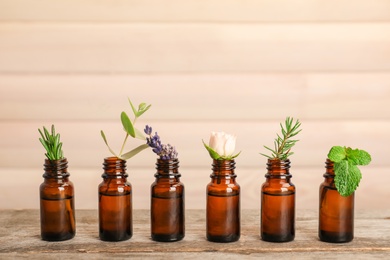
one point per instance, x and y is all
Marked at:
(216, 65)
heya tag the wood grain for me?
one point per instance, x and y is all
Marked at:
(195, 11)
(194, 48)
(20, 238)
(193, 97)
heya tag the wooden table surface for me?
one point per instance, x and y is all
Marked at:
(20, 238)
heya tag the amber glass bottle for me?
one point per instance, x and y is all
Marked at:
(57, 202)
(336, 212)
(278, 203)
(167, 202)
(115, 207)
(223, 203)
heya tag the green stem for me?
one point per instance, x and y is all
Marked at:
(123, 145)
(124, 142)
(280, 150)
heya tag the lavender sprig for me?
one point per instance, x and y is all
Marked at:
(165, 151)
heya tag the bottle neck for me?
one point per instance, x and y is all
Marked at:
(114, 168)
(223, 168)
(57, 169)
(278, 168)
(167, 168)
(329, 166)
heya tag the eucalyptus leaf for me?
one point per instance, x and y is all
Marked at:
(133, 152)
(127, 125)
(140, 112)
(139, 134)
(133, 108)
(105, 141)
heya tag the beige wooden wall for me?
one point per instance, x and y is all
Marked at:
(237, 66)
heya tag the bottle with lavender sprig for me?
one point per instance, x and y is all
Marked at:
(167, 192)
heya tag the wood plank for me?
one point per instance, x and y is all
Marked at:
(239, 96)
(195, 48)
(195, 11)
(84, 146)
(21, 238)
(371, 194)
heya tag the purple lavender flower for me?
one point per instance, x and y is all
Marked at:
(166, 152)
(148, 130)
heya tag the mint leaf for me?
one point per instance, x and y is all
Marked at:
(336, 154)
(347, 177)
(358, 157)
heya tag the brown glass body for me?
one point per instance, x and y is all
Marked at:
(115, 207)
(167, 203)
(278, 203)
(336, 213)
(57, 202)
(223, 203)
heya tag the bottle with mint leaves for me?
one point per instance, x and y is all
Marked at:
(277, 222)
(337, 193)
(56, 192)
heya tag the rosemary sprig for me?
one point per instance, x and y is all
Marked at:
(52, 144)
(284, 145)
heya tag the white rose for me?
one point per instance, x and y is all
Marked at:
(223, 143)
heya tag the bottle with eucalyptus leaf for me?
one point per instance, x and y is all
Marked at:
(223, 219)
(277, 222)
(56, 192)
(167, 192)
(115, 192)
(337, 193)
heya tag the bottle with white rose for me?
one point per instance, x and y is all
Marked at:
(223, 192)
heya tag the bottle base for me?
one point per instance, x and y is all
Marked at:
(223, 239)
(335, 237)
(112, 236)
(167, 238)
(277, 238)
(57, 236)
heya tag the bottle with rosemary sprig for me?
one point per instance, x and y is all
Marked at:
(167, 192)
(115, 192)
(278, 193)
(56, 192)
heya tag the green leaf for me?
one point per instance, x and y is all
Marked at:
(127, 125)
(139, 134)
(347, 177)
(358, 157)
(133, 108)
(51, 142)
(141, 106)
(336, 154)
(135, 151)
(105, 141)
(140, 112)
(212, 153)
(283, 144)
(234, 156)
